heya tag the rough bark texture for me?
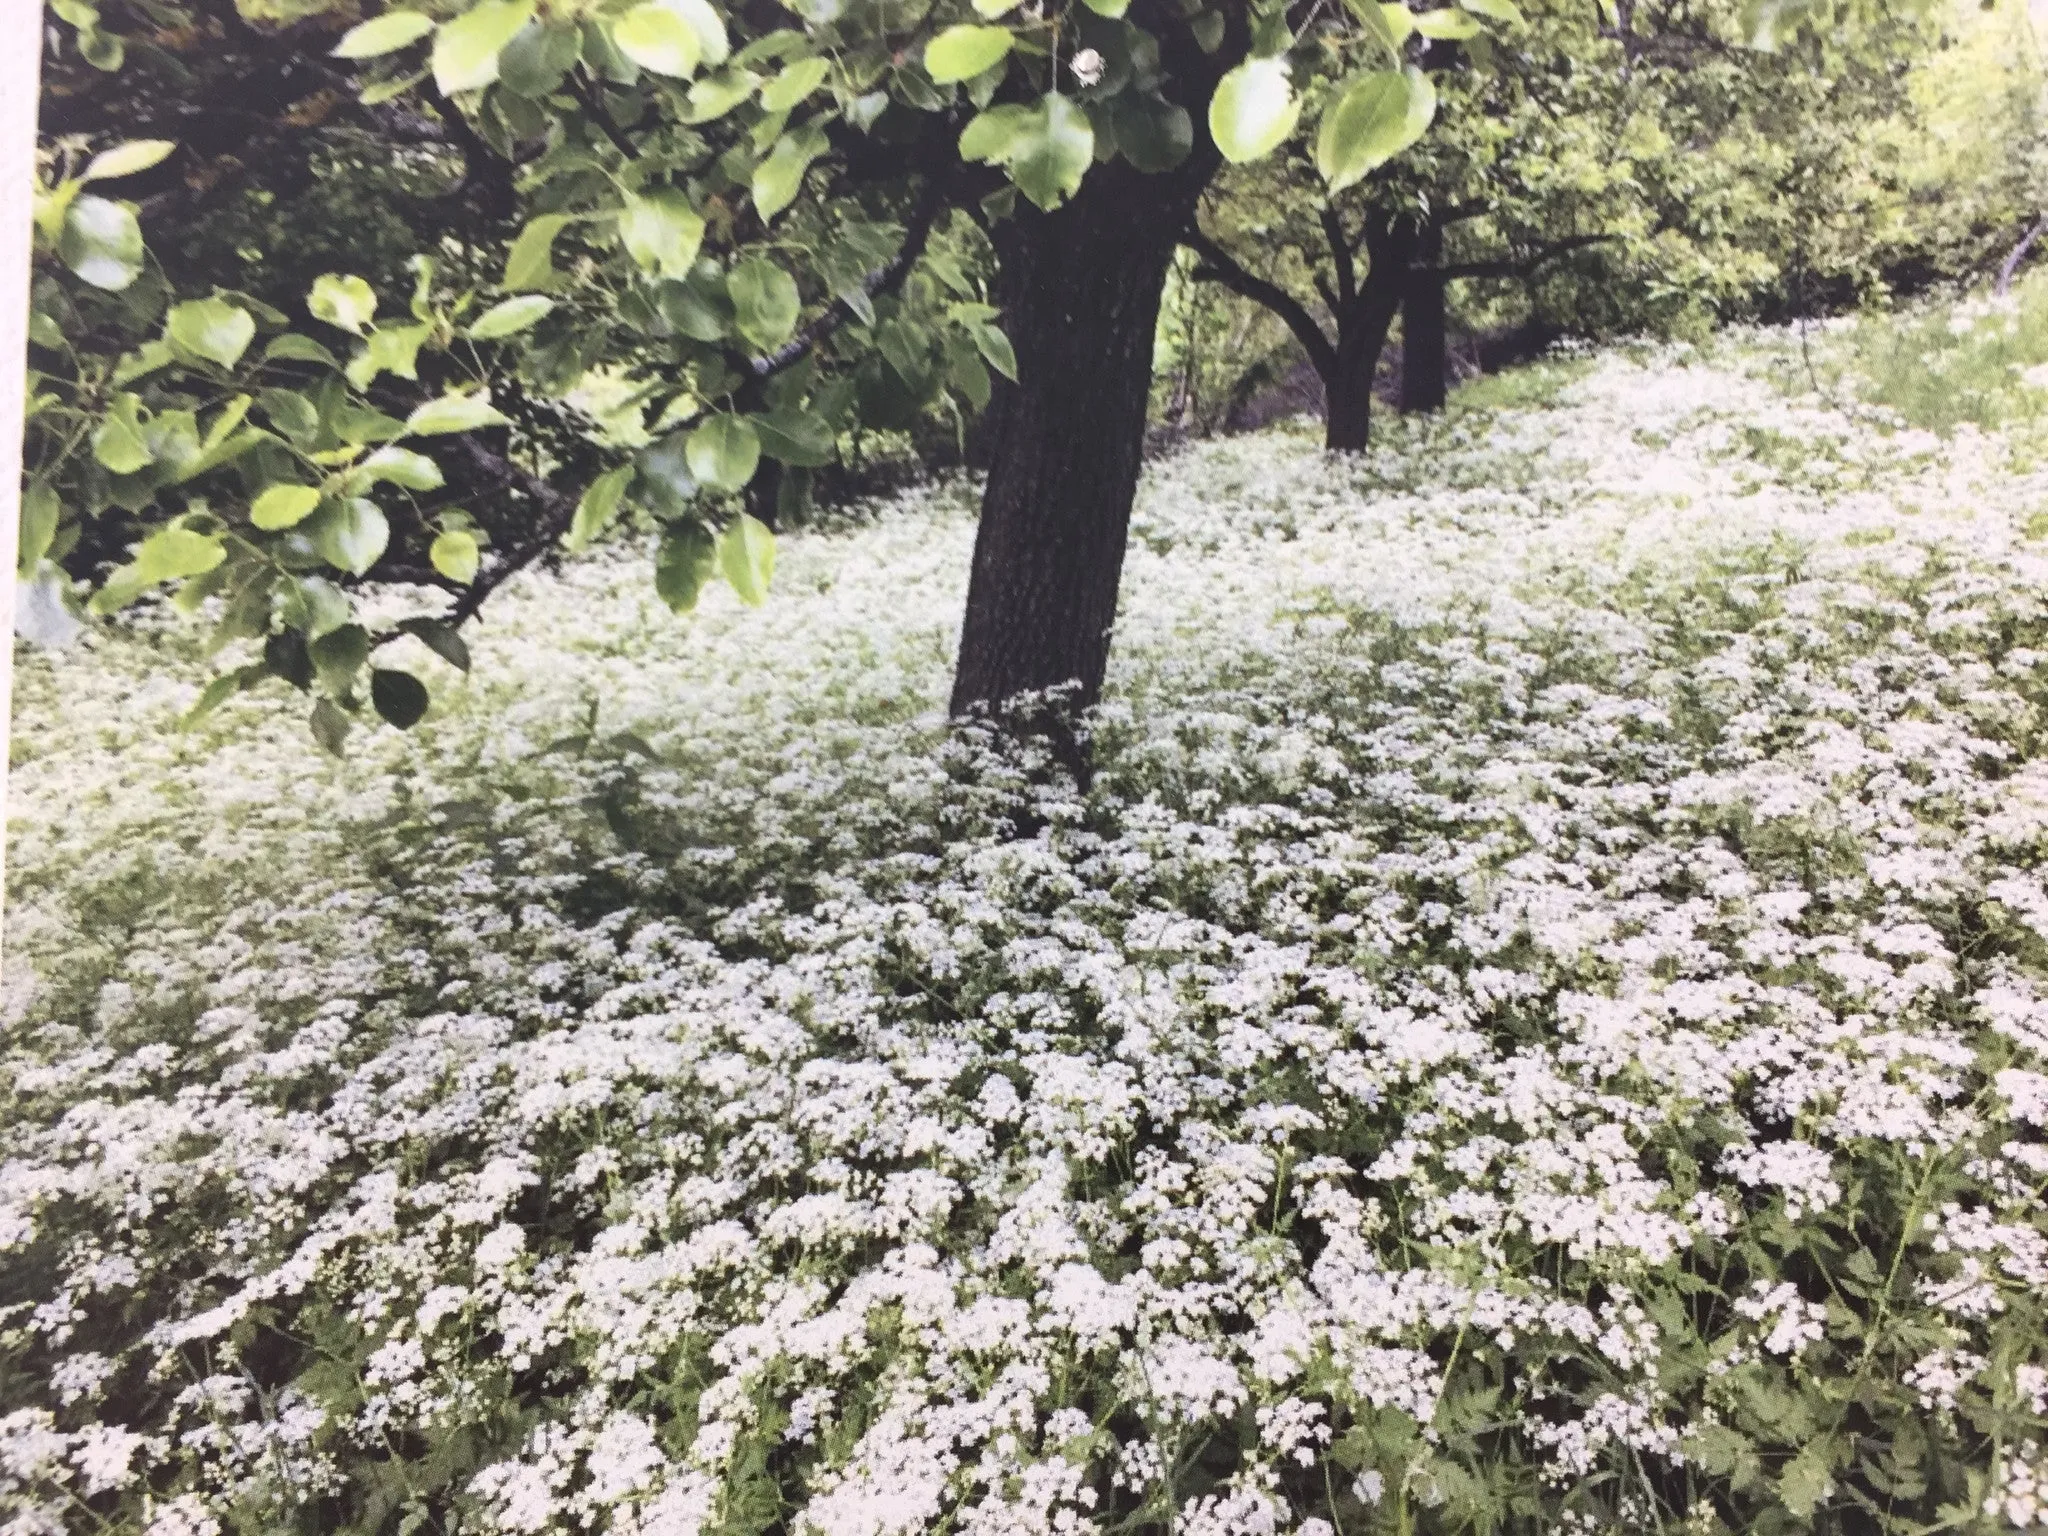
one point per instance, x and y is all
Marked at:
(1080, 291)
(1422, 325)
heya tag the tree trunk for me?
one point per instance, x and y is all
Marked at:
(1080, 290)
(1347, 398)
(1362, 327)
(1422, 325)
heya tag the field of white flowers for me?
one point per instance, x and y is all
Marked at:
(1540, 1024)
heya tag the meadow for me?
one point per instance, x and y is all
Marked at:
(1539, 1022)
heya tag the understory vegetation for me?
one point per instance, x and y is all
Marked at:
(1539, 1023)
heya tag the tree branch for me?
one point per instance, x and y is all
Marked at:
(884, 279)
(557, 512)
(2012, 262)
(1526, 266)
(1340, 254)
(1219, 267)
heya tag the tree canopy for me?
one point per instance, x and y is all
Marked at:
(316, 289)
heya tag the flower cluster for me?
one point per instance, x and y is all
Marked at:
(1540, 1019)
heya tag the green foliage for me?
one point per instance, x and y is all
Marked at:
(766, 231)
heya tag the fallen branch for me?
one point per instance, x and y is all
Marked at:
(2019, 254)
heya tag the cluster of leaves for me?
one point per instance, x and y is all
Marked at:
(768, 231)
(239, 459)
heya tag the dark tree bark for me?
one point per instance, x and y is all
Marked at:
(1361, 307)
(1365, 314)
(1422, 325)
(1079, 290)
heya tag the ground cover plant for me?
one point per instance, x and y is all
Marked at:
(1539, 1023)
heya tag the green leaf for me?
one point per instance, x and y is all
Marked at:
(1497, 10)
(538, 59)
(102, 243)
(118, 442)
(330, 726)
(531, 261)
(1154, 135)
(779, 178)
(1054, 152)
(661, 232)
(212, 329)
(1399, 19)
(994, 135)
(346, 302)
(657, 39)
(401, 467)
(765, 302)
(996, 350)
(283, 506)
(454, 413)
(746, 554)
(797, 437)
(510, 317)
(1807, 1479)
(454, 554)
(716, 95)
(794, 83)
(441, 639)
(389, 349)
(338, 655)
(962, 52)
(723, 453)
(1379, 115)
(991, 9)
(399, 697)
(171, 554)
(705, 21)
(127, 159)
(1110, 8)
(1253, 110)
(220, 690)
(466, 49)
(1372, 18)
(685, 562)
(1451, 26)
(352, 534)
(143, 361)
(40, 514)
(384, 34)
(598, 506)
(299, 349)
